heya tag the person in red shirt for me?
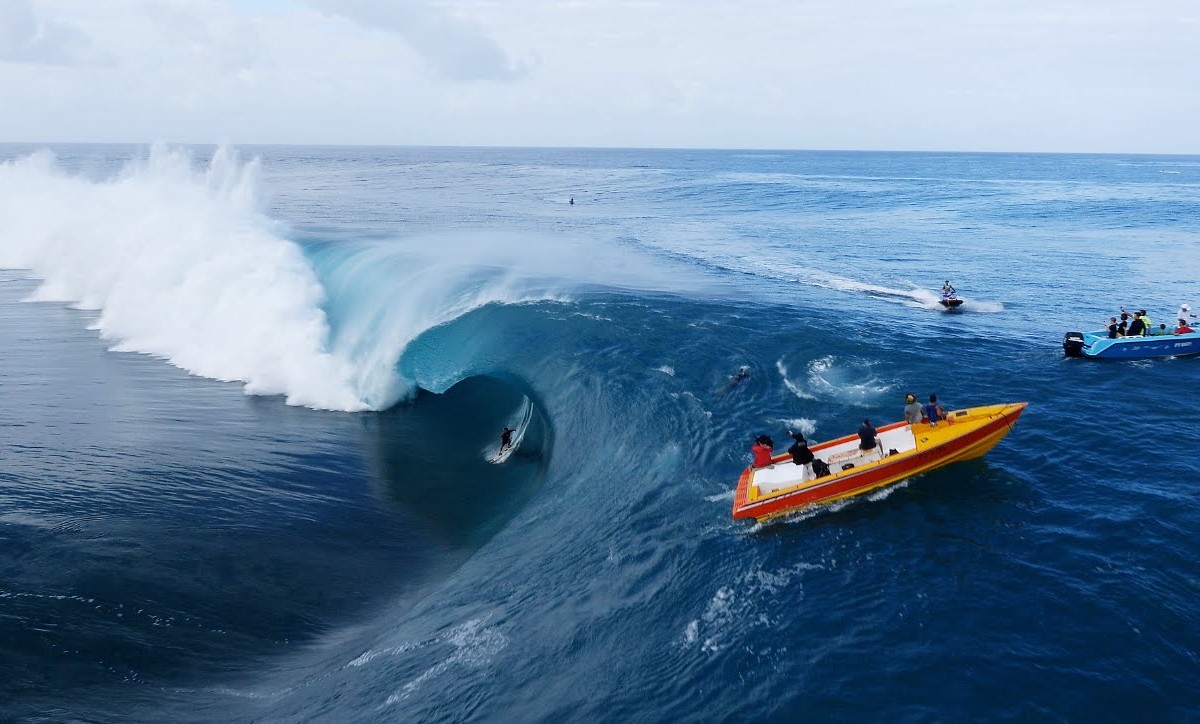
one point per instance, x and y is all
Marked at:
(763, 449)
(1183, 328)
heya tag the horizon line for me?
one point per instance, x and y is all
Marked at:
(747, 149)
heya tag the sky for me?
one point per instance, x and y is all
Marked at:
(1104, 76)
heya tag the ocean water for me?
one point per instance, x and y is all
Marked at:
(249, 395)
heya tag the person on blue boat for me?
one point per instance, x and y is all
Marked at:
(1184, 329)
(1158, 331)
(1138, 325)
(1184, 312)
(1113, 330)
(934, 412)
(913, 412)
(866, 436)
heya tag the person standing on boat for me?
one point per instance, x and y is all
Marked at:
(1138, 325)
(913, 412)
(1184, 312)
(1137, 328)
(866, 436)
(764, 450)
(799, 451)
(948, 290)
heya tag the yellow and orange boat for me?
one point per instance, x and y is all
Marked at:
(903, 451)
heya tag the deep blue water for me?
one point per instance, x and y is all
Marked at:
(248, 401)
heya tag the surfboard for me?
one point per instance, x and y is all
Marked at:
(503, 453)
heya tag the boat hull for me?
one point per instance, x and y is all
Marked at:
(1098, 345)
(764, 494)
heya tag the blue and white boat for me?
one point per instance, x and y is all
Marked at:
(1100, 346)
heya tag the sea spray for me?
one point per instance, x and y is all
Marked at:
(181, 264)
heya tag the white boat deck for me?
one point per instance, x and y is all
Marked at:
(787, 474)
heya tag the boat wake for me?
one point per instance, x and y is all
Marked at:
(911, 295)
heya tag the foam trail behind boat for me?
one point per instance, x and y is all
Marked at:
(915, 296)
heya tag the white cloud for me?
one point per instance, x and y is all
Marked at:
(1037, 75)
(24, 37)
(455, 47)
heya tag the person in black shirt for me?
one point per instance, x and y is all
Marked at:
(799, 451)
(1113, 331)
(1137, 327)
(866, 436)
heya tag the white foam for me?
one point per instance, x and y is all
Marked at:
(721, 497)
(750, 601)
(803, 424)
(886, 491)
(475, 645)
(830, 377)
(182, 265)
(796, 390)
(979, 305)
(914, 296)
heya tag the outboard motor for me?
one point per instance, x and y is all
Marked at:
(1073, 344)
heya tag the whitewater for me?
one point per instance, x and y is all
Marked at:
(251, 394)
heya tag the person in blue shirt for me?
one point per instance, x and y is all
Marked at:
(934, 411)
